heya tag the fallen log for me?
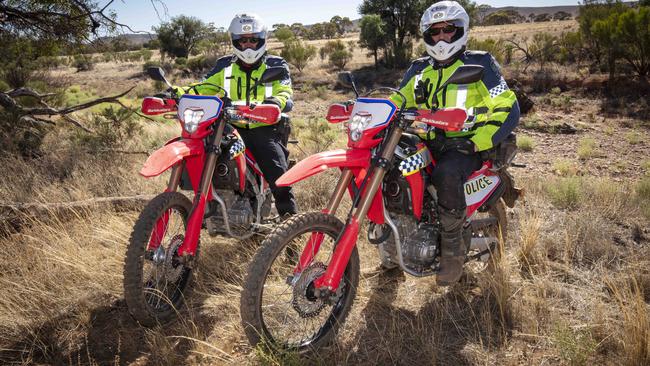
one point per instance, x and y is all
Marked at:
(15, 215)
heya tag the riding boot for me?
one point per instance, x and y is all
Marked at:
(452, 246)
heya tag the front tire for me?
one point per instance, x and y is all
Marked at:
(283, 314)
(156, 281)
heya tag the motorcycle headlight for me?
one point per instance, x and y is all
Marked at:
(191, 119)
(357, 124)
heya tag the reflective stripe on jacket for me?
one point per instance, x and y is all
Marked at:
(236, 80)
(491, 105)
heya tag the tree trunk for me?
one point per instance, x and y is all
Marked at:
(375, 53)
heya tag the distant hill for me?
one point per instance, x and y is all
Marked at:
(139, 39)
(526, 11)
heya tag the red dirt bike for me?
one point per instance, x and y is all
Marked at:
(231, 197)
(301, 284)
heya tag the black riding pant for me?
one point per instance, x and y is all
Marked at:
(449, 176)
(271, 156)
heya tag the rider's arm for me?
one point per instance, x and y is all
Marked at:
(282, 90)
(503, 109)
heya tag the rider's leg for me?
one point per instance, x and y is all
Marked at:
(451, 171)
(271, 156)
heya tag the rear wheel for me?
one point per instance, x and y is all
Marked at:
(281, 308)
(157, 280)
(492, 227)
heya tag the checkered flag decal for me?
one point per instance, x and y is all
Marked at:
(499, 88)
(237, 148)
(415, 162)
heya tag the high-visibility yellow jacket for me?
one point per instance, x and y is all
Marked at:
(492, 106)
(237, 80)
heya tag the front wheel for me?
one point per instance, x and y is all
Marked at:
(156, 279)
(281, 308)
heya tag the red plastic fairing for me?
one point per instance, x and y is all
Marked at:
(479, 187)
(165, 157)
(449, 119)
(339, 113)
(416, 182)
(322, 161)
(153, 105)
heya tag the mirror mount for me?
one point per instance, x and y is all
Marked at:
(347, 80)
(158, 74)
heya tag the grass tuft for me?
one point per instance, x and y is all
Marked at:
(574, 345)
(587, 148)
(565, 192)
(525, 143)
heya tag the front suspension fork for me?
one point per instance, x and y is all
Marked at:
(195, 221)
(331, 279)
(316, 239)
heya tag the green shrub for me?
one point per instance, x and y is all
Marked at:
(564, 167)
(525, 143)
(134, 56)
(83, 62)
(587, 148)
(201, 63)
(146, 54)
(634, 137)
(112, 127)
(565, 192)
(49, 62)
(318, 92)
(340, 58)
(646, 166)
(643, 189)
(284, 34)
(298, 53)
(17, 75)
(495, 47)
(575, 346)
(180, 61)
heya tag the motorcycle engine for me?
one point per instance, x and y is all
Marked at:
(239, 210)
(420, 243)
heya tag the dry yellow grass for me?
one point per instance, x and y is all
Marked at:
(573, 287)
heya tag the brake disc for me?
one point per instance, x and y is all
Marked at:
(304, 301)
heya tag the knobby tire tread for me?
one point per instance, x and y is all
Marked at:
(134, 260)
(273, 244)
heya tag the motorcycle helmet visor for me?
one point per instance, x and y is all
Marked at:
(447, 29)
(239, 40)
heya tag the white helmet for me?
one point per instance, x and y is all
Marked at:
(249, 24)
(450, 12)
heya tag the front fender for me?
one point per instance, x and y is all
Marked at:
(170, 154)
(350, 158)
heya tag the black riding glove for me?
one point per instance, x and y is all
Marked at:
(273, 100)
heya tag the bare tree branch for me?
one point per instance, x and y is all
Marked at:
(32, 114)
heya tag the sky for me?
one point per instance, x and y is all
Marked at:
(141, 15)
